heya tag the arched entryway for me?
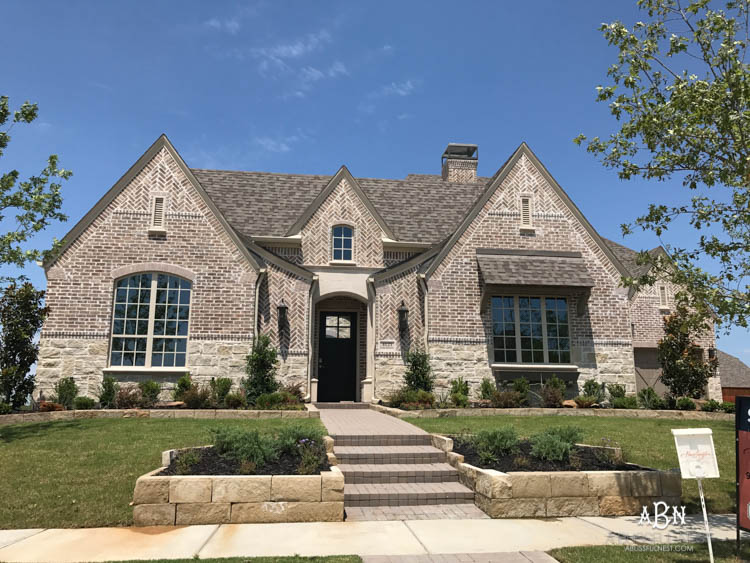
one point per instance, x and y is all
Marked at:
(340, 344)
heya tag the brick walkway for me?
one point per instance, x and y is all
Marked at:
(391, 469)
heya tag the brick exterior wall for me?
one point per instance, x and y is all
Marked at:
(459, 170)
(80, 285)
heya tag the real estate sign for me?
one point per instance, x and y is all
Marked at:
(695, 450)
(742, 426)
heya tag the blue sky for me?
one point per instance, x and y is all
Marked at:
(307, 86)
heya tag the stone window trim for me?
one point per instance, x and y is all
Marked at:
(337, 261)
(159, 267)
(516, 321)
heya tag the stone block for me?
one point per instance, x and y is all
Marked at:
(492, 484)
(84, 414)
(671, 483)
(269, 414)
(441, 442)
(454, 459)
(328, 441)
(203, 513)
(154, 514)
(332, 485)
(296, 488)
(645, 483)
(151, 490)
(530, 484)
(313, 414)
(184, 413)
(228, 413)
(569, 484)
(111, 413)
(619, 506)
(572, 506)
(189, 489)
(160, 413)
(287, 512)
(512, 507)
(294, 414)
(64, 415)
(37, 417)
(242, 488)
(332, 458)
(11, 419)
(205, 413)
(609, 483)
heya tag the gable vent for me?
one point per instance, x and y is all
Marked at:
(157, 217)
(663, 296)
(526, 212)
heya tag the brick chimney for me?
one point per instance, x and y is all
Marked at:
(460, 163)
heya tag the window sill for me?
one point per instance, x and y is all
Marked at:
(157, 231)
(141, 369)
(664, 310)
(527, 230)
(342, 263)
(535, 367)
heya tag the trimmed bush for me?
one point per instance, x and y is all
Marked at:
(418, 375)
(261, 370)
(521, 386)
(235, 401)
(506, 399)
(550, 447)
(294, 389)
(128, 397)
(569, 434)
(728, 406)
(66, 391)
(411, 399)
(491, 444)
(81, 403)
(149, 393)
(552, 395)
(280, 400)
(220, 388)
(593, 389)
(649, 399)
(711, 405)
(616, 391)
(245, 446)
(184, 384)
(487, 388)
(107, 392)
(685, 404)
(5, 408)
(629, 402)
(197, 397)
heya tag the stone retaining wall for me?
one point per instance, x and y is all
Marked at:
(237, 499)
(553, 494)
(538, 411)
(310, 412)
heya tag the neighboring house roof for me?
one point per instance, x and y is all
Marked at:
(420, 208)
(629, 257)
(528, 267)
(732, 370)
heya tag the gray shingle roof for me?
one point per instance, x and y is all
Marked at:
(420, 208)
(733, 371)
(629, 257)
(506, 267)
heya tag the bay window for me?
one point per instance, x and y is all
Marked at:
(530, 330)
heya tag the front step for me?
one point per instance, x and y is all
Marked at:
(382, 440)
(398, 473)
(342, 405)
(406, 494)
(369, 455)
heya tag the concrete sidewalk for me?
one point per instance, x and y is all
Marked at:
(394, 538)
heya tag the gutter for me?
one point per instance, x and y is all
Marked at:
(423, 283)
(310, 343)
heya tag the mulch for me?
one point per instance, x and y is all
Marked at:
(211, 463)
(582, 458)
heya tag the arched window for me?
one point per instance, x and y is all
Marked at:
(342, 237)
(150, 321)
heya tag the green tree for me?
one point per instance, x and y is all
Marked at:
(261, 370)
(418, 375)
(22, 313)
(35, 202)
(684, 371)
(680, 90)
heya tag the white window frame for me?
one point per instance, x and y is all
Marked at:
(341, 260)
(517, 322)
(149, 336)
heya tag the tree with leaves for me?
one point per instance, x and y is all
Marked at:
(36, 202)
(680, 90)
(22, 313)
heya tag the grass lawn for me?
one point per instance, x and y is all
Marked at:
(646, 442)
(81, 473)
(723, 553)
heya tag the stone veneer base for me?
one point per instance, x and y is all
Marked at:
(238, 499)
(555, 494)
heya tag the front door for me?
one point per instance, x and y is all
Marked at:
(337, 357)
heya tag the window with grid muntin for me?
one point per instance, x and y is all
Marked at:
(530, 330)
(150, 321)
(342, 239)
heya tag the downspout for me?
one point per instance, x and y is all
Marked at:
(423, 283)
(261, 273)
(310, 321)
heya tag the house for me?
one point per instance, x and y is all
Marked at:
(177, 270)
(735, 376)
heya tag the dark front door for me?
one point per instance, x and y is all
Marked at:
(337, 357)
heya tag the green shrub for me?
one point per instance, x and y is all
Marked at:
(570, 434)
(235, 401)
(629, 402)
(66, 391)
(670, 402)
(593, 389)
(685, 404)
(728, 406)
(220, 388)
(418, 375)
(128, 397)
(288, 438)
(294, 389)
(487, 388)
(185, 461)
(556, 383)
(459, 385)
(278, 400)
(81, 403)
(311, 455)
(244, 446)
(649, 399)
(616, 391)
(5, 408)
(711, 405)
(506, 399)
(551, 394)
(108, 392)
(411, 399)
(459, 400)
(491, 444)
(149, 393)
(550, 447)
(521, 386)
(585, 401)
(197, 397)
(261, 370)
(184, 384)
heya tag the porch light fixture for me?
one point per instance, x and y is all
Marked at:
(282, 309)
(403, 319)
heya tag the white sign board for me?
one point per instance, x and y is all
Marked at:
(695, 450)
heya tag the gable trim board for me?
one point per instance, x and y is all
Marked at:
(494, 184)
(342, 174)
(126, 179)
